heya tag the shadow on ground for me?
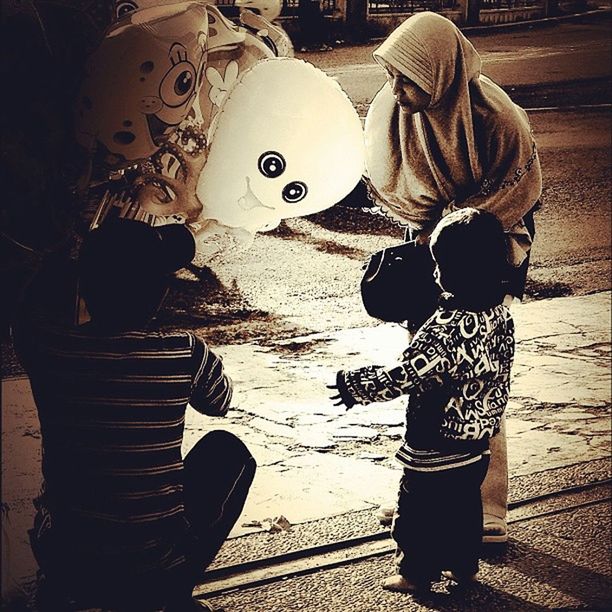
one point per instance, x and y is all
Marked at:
(199, 301)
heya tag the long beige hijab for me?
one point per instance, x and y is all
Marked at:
(471, 147)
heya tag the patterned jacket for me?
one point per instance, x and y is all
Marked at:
(468, 354)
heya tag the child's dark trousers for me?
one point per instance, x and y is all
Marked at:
(438, 522)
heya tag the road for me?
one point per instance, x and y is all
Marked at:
(304, 276)
(542, 55)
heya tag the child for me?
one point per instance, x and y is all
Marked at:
(464, 352)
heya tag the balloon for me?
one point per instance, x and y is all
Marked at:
(123, 7)
(214, 240)
(231, 50)
(142, 81)
(270, 9)
(271, 33)
(287, 142)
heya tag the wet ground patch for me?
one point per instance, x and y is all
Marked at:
(539, 290)
(297, 348)
(565, 93)
(286, 232)
(292, 230)
(199, 301)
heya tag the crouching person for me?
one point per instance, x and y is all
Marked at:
(124, 522)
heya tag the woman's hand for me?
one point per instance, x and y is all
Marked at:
(425, 234)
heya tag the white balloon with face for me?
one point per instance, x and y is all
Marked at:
(287, 142)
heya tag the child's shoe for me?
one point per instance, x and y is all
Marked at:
(460, 578)
(400, 584)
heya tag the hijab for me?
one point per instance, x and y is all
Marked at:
(472, 146)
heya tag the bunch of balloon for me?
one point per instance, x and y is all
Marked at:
(141, 82)
(269, 154)
(162, 189)
(234, 137)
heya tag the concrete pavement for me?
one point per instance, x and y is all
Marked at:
(317, 461)
(556, 562)
(311, 453)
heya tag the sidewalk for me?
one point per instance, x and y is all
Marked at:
(317, 461)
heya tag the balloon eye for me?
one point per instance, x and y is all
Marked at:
(271, 164)
(294, 192)
(178, 84)
(123, 8)
(183, 83)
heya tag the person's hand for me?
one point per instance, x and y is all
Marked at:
(342, 395)
(425, 234)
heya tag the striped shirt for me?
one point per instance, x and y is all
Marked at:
(112, 414)
(464, 358)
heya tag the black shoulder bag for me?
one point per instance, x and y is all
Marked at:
(398, 284)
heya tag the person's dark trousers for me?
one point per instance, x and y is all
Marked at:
(218, 472)
(438, 522)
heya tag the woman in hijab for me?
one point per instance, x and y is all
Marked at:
(441, 136)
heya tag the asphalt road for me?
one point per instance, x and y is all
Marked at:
(534, 55)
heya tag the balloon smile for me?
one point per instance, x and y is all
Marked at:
(249, 200)
(160, 130)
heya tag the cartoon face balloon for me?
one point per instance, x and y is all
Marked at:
(287, 142)
(123, 7)
(142, 81)
(270, 9)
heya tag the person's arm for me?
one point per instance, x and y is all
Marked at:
(425, 364)
(424, 234)
(211, 388)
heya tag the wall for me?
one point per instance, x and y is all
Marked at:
(383, 24)
(495, 16)
(352, 21)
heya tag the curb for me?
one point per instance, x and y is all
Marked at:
(484, 29)
(570, 108)
(544, 21)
